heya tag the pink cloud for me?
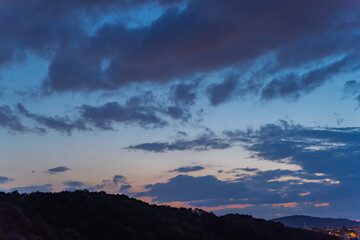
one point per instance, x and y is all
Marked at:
(322, 204)
(286, 205)
(221, 207)
(179, 204)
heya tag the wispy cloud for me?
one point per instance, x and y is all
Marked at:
(62, 124)
(202, 143)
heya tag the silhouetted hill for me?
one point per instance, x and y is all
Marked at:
(298, 221)
(97, 215)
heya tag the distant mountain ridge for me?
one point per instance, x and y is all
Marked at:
(301, 221)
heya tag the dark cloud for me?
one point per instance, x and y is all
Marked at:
(61, 124)
(146, 98)
(202, 143)
(103, 116)
(332, 152)
(142, 110)
(119, 179)
(33, 188)
(178, 113)
(291, 85)
(148, 101)
(187, 188)
(57, 170)
(352, 89)
(124, 187)
(327, 150)
(219, 93)
(249, 169)
(264, 187)
(5, 179)
(51, 27)
(10, 121)
(86, 53)
(182, 133)
(183, 93)
(186, 169)
(317, 150)
(328, 158)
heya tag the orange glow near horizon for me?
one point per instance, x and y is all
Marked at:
(286, 205)
(146, 199)
(179, 204)
(231, 206)
(322, 204)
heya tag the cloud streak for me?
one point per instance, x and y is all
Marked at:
(56, 170)
(203, 143)
(186, 169)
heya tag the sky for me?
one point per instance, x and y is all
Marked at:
(234, 106)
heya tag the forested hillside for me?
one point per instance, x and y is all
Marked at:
(97, 215)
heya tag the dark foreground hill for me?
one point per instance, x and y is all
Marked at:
(89, 215)
(298, 221)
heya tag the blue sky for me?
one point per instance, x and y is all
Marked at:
(236, 106)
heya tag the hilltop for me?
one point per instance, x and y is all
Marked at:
(297, 221)
(97, 216)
